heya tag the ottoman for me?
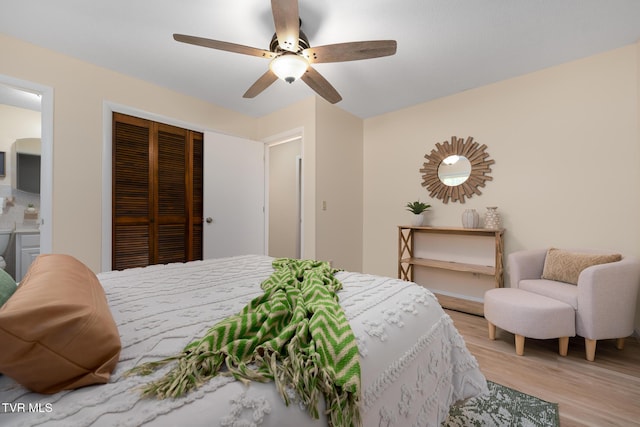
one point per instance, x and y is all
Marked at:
(526, 314)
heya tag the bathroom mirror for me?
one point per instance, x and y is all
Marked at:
(28, 151)
(456, 169)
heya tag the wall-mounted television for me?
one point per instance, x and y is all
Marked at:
(28, 172)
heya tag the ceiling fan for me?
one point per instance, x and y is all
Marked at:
(291, 54)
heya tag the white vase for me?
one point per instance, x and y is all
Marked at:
(417, 220)
(470, 218)
(492, 220)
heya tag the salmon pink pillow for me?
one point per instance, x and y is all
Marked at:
(56, 330)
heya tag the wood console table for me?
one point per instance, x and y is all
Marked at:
(457, 264)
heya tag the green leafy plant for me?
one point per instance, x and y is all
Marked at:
(417, 207)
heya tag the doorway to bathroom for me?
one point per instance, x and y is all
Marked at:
(26, 124)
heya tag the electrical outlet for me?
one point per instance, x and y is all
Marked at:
(324, 205)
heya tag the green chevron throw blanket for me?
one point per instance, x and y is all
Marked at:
(295, 334)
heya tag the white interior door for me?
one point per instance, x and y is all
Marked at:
(233, 196)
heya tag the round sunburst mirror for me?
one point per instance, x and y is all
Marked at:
(456, 169)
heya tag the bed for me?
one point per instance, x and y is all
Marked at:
(414, 364)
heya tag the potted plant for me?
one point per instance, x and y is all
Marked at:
(417, 208)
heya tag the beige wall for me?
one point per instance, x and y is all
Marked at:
(332, 172)
(567, 150)
(565, 141)
(298, 120)
(339, 186)
(80, 91)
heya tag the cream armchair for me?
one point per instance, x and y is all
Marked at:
(604, 296)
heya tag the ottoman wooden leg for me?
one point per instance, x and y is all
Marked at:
(590, 346)
(563, 345)
(492, 330)
(519, 345)
(620, 343)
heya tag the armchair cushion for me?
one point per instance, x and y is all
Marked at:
(566, 266)
(565, 292)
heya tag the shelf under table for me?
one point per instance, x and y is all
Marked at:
(451, 265)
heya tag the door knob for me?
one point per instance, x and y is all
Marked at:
(209, 220)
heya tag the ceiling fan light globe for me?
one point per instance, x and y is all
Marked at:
(289, 67)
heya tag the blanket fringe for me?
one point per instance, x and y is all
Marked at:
(271, 340)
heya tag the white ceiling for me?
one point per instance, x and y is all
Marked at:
(444, 46)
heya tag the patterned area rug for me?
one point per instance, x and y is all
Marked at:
(504, 406)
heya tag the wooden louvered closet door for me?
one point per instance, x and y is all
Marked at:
(157, 193)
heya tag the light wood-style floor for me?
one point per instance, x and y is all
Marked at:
(605, 392)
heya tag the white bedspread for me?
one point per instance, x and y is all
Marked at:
(414, 363)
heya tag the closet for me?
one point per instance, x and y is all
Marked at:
(157, 183)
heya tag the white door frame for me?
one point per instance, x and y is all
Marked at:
(46, 156)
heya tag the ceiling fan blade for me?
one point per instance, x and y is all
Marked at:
(287, 22)
(319, 84)
(219, 45)
(351, 51)
(261, 84)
